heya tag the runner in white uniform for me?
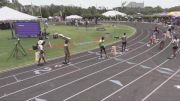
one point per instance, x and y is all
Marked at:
(175, 47)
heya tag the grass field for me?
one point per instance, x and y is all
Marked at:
(81, 40)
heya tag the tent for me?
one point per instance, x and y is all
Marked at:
(8, 14)
(73, 17)
(113, 13)
(175, 13)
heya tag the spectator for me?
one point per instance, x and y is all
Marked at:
(41, 44)
(66, 52)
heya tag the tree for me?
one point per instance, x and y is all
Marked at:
(45, 12)
(3, 3)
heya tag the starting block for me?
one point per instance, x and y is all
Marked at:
(113, 50)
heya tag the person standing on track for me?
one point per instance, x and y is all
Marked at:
(175, 43)
(66, 52)
(102, 47)
(163, 39)
(41, 44)
(124, 42)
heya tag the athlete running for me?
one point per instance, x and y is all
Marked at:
(175, 47)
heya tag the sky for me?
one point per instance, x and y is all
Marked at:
(103, 3)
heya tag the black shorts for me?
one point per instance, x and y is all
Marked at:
(124, 42)
(175, 47)
(102, 47)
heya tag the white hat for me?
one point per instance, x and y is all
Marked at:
(40, 42)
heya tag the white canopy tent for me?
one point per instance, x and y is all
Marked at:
(113, 13)
(8, 14)
(73, 17)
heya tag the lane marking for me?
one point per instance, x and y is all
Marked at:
(131, 63)
(116, 82)
(133, 81)
(160, 85)
(177, 86)
(45, 69)
(164, 72)
(15, 78)
(58, 66)
(74, 66)
(37, 99)
(145, 67)
(167, 69)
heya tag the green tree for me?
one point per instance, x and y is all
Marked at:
(3, 3)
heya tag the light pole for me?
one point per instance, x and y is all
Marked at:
(40, 11)
(32, 9)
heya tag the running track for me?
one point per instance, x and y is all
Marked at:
(141, 74)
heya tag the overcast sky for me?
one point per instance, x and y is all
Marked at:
(105, 3)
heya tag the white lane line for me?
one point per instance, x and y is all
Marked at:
(86, 75)
(58, 65)
(37, 99)
(58, 62)
(45, 69)
(177, 86)
(74, 66)
(133, 81)
(15, 78)
(64, 67)
(145, 67)
(15, 68)
(117, 82)
(164, 72)
(131, 63)
(112, 76)
(167, 69)
(160, 85)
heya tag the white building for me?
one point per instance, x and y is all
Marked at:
(135, 5)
